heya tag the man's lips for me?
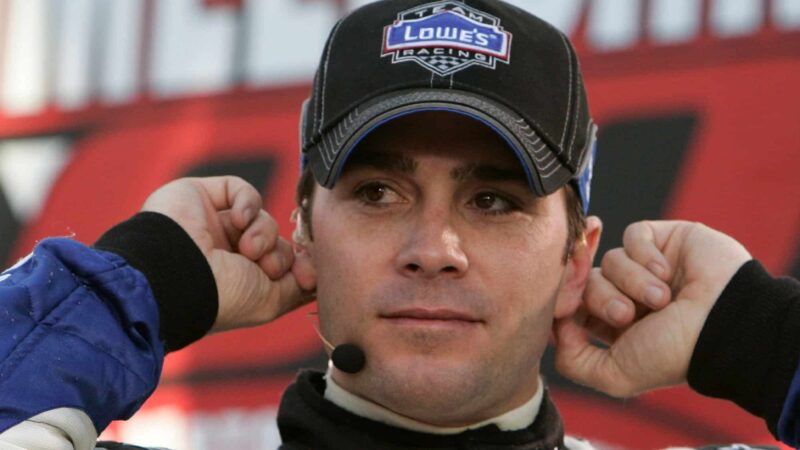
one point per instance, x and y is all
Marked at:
(432, 315)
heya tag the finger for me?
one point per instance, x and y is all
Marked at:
(569, 332)
(260, 237)
(604, 301)
(284, 296)
(642, 244)
(634, 280)
(278, 261)
(602, 333)
(232, 193)
(231, 234)
(261, 301)
(578, 359)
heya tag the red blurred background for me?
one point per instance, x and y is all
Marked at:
(698, 103)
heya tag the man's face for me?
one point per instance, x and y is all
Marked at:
(433, 255)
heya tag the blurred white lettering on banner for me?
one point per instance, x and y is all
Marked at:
(74, 25)
(786, 13)
(730, 18)
(72, 53)
(674, 21)
(120, 54)
(234, 428)
(563, 14)
(170, 427)
(614, 24)
(24, 89)
(164, 426)
(285, 39)
(192, 48)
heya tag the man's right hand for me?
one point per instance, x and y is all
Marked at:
(250, 261)
(648, 302)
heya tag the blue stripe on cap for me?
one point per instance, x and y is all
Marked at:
(583, 179)
(517, 151)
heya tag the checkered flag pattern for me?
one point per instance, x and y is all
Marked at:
(443, 64)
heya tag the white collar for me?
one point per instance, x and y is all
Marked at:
(516, 419)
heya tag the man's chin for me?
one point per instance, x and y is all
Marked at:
(425, 387)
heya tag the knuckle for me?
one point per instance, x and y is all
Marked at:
(285, 248)
(631, 285)
(611, 258)
(241, 186)
(272, 265)
(699, 226)
(633, 229)
(237, 180)
(270, 221)
(635, 232)
(268, 225)
(595, 276)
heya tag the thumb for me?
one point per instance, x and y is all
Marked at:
(644, 243)
(580, 360)
(247, 296)
(287, 296)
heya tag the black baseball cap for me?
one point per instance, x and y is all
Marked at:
(484, 59)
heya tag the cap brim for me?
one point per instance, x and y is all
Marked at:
(544, 171)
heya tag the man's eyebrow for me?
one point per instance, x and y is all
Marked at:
(488, 172)
(392, 162)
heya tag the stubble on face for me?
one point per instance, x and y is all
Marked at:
(439, 375)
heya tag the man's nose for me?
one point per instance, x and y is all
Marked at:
(433, 248)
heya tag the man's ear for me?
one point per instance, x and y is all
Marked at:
(578, 267)
(303, 267)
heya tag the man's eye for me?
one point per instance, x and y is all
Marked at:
(491, 203)
(377, 194)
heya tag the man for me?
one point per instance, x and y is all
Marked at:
(448, 151)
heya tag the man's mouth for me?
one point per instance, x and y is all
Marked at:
(417, 316)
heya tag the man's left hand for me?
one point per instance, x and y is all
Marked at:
(644, 308)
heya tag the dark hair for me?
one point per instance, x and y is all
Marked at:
(576, 220)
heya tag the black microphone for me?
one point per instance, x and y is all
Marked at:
(348, 358)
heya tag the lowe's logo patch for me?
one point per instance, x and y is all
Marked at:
(445, 37)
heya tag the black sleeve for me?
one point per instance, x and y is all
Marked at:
(178, 272)
(749, 347)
